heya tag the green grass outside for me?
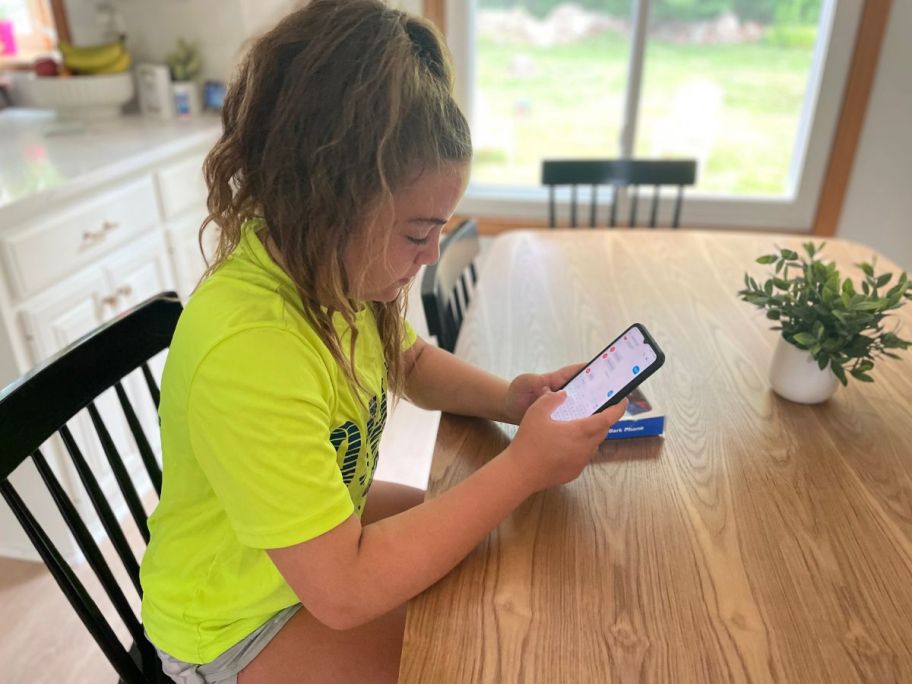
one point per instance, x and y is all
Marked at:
(574, 102)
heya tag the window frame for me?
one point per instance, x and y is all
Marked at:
(796, 210)
(45, 14)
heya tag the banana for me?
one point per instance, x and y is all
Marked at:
(122, 63)
(91, 58)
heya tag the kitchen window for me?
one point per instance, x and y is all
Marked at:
(35, 26)
(750, 89)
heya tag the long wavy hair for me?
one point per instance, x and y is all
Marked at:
(328, 115)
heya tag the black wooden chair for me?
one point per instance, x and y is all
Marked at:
(620, 174)
(447, 286)
(37, 406)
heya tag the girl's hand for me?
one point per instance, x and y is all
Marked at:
(546, 452)
(527, 388)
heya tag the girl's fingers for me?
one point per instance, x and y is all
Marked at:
(559, 378)
(600, 422)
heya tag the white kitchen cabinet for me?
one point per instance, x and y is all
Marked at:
(50, 322)
(55, 244)
(138, 272)
(134, 275)
(63, 314)
(184, 248)
(72, 258)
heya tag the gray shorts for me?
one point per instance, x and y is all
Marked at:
(225, 668)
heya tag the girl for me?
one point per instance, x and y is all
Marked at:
(342, 157)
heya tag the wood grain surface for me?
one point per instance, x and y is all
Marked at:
(757, 541)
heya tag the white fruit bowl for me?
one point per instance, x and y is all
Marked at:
(81, 97)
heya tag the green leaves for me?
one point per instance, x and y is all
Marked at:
(804, 340)
(815, 308)
(838, 371)
(883, 279)
(184, 61)
(867, 269)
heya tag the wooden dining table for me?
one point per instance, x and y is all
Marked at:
(757, 540)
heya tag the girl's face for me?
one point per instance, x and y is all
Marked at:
(420, 212)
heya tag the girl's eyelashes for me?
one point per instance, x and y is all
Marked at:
(431, 234)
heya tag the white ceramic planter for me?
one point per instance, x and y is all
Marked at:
(794, 375)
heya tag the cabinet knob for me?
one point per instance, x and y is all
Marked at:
(91, 237)
(124, 291)
(110, 300)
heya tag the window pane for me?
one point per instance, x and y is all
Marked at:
(550, 83)
(724, 82)
(17, 11)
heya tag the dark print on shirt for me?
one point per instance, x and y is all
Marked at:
(347, 441)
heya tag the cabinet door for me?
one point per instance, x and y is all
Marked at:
(181, 186)
(183, 243)
(77, 306)
(65, 313)
(134, 275)
(51, 321)
(139, 272)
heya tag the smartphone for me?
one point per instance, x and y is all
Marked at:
(611, 375)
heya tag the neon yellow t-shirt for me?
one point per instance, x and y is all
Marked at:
(265, 445)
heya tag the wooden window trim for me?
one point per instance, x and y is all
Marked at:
(866, 55)
(435, 10)
(61, 21)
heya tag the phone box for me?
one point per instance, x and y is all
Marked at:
(642, 418)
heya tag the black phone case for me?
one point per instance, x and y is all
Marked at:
(633, 384)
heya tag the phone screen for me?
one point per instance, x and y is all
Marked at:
(611, 375)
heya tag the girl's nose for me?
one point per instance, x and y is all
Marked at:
(430, 254)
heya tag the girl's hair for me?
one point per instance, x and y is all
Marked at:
(341, 104)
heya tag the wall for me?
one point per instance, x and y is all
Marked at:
(878, 204)
(220, 26)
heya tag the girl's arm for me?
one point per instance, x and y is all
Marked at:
(435, 379)
(353, 574)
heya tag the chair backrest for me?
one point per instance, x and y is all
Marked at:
(447, 286)
(38, 405)
(620, 174)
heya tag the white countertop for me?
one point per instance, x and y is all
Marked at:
(44, 159)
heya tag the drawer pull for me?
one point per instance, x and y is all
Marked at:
(124, 291)
(110, 300)
(92, 237)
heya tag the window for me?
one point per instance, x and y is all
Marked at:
(545, 87)
(749, 88)
(32, 27)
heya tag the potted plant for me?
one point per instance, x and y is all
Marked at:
(829, 329)
(185, 65)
